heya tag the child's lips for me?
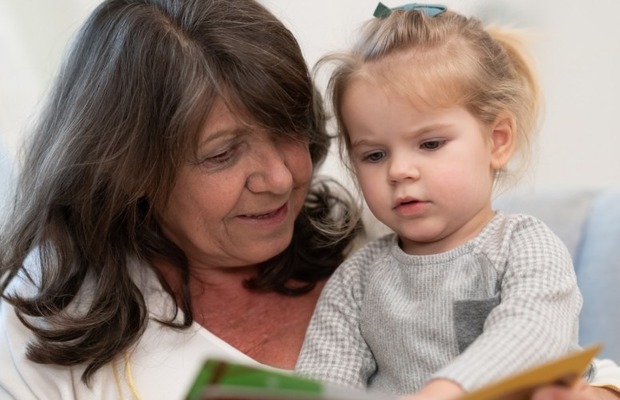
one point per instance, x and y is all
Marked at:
(405, 201)
(410, 206)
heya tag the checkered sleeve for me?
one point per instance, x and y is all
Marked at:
(537, 318)
(334, 350)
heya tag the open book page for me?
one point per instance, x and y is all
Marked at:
(230, 381)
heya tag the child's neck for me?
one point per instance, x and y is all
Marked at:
(451, 240)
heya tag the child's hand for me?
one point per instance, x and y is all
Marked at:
(437, 389)
(581, 391)
(414, 397)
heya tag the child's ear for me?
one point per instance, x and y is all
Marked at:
(502, 141)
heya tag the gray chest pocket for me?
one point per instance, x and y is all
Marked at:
(469, 317)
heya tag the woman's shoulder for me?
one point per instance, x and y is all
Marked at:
(22, 378)
(161, 354)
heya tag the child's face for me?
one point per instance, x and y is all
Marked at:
(425, 173)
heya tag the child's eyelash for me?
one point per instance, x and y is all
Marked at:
(374, 156)
(433, 144)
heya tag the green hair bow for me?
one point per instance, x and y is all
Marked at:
(382, 11)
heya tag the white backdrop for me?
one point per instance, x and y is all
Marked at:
(578, 49)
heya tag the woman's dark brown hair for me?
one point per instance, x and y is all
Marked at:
(123, 116)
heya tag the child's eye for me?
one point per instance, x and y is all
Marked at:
(374, 156)
(432, 144)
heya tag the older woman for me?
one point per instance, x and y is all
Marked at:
(167, 209)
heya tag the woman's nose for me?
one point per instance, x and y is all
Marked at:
(270, 171)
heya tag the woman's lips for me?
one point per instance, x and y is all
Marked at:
(274, 216)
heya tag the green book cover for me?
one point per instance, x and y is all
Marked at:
(220, 380)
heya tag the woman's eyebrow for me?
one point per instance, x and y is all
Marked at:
(223, 133)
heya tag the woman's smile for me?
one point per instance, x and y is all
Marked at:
(273, 217)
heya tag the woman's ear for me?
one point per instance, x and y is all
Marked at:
(502, 141)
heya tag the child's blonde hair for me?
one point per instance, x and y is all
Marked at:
(442, 61)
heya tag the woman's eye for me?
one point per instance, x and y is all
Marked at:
(432, 144)
(220, 158)
(374, 157)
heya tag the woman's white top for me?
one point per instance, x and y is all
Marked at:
(162, 365)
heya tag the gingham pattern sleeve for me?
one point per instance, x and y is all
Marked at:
(334, 349)
(537, 318)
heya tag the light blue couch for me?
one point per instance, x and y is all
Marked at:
(589, 223)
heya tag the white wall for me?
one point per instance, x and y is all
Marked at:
(578, 51)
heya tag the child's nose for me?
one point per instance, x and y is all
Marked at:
(402, 168)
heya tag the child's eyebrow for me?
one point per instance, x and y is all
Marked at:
(362, 142)
(430, 128)
(415, 133)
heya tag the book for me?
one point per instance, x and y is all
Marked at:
(223, 380)
(563, 371)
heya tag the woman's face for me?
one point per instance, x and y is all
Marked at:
(237, 204)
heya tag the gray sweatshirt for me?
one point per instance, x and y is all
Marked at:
(504, 301)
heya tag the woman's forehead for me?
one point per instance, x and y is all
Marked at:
(223, 118)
